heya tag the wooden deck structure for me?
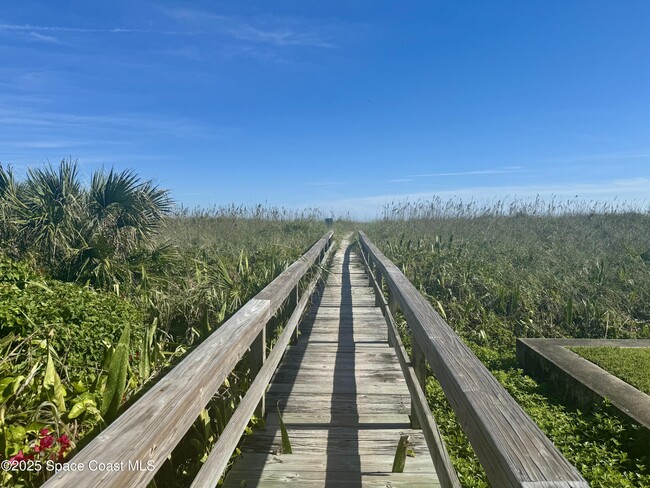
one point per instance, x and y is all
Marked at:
(346, 390)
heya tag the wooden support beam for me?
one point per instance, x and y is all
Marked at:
(419, 365)
(294, 300)
(257, 356)
(380, 282)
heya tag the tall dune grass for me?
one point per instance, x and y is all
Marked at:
(532, 269)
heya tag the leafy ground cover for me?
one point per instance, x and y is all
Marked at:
(532, 270)
(630, 364)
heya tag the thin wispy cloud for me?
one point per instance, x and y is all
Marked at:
(141, 123)
(45, 143)
(43, 37)
(86, 159)
(328, 183)
(32, 29)
(498, 171)
(279, 37)
(602, 156)
(278, 32)
(483, 172)
(639, 182)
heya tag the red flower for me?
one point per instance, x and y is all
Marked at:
(46, 442)
(44, 431)
(64, 441)
(18, 457)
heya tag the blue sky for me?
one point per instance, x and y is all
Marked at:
(342, 105)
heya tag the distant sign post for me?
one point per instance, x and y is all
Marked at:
(329, 222)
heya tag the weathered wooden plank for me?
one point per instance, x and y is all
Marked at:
(330, 327)
(314, 407)
(344, 397)
(318, 479)
(257, 357)
(346, 312)
(355, 282)
(365, 462)
(340, 402)
(584, 380)
(324, 444)
(326, 363)
(367, 433)
(343, 387)
(323, 377)
(351, 292)
(342, 362)
(510, 446)
(395, 420)
(327, 350)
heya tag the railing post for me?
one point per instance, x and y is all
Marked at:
(419, 365)
(294, 299)
(392, 303)
(392, 308)
(380, 287)
(257, 357)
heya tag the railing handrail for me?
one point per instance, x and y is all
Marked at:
(415, 374)
(147, 432)
(511, 448)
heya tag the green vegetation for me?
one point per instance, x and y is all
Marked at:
(103, 287)
(532, 270)
(631, 364)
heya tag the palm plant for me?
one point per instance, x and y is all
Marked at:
(7, 192)
(47, 209)
(84, 234)
(122, 214)
(6, 180)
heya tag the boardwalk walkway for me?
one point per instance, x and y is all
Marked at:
(343, 399)
(340, 390)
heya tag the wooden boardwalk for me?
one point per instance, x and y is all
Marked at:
(343, 399)
(341, 391)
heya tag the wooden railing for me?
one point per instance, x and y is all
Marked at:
(139, 441)
(415, 375)
(511, 448)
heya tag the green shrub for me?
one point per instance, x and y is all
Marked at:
(77, 322)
